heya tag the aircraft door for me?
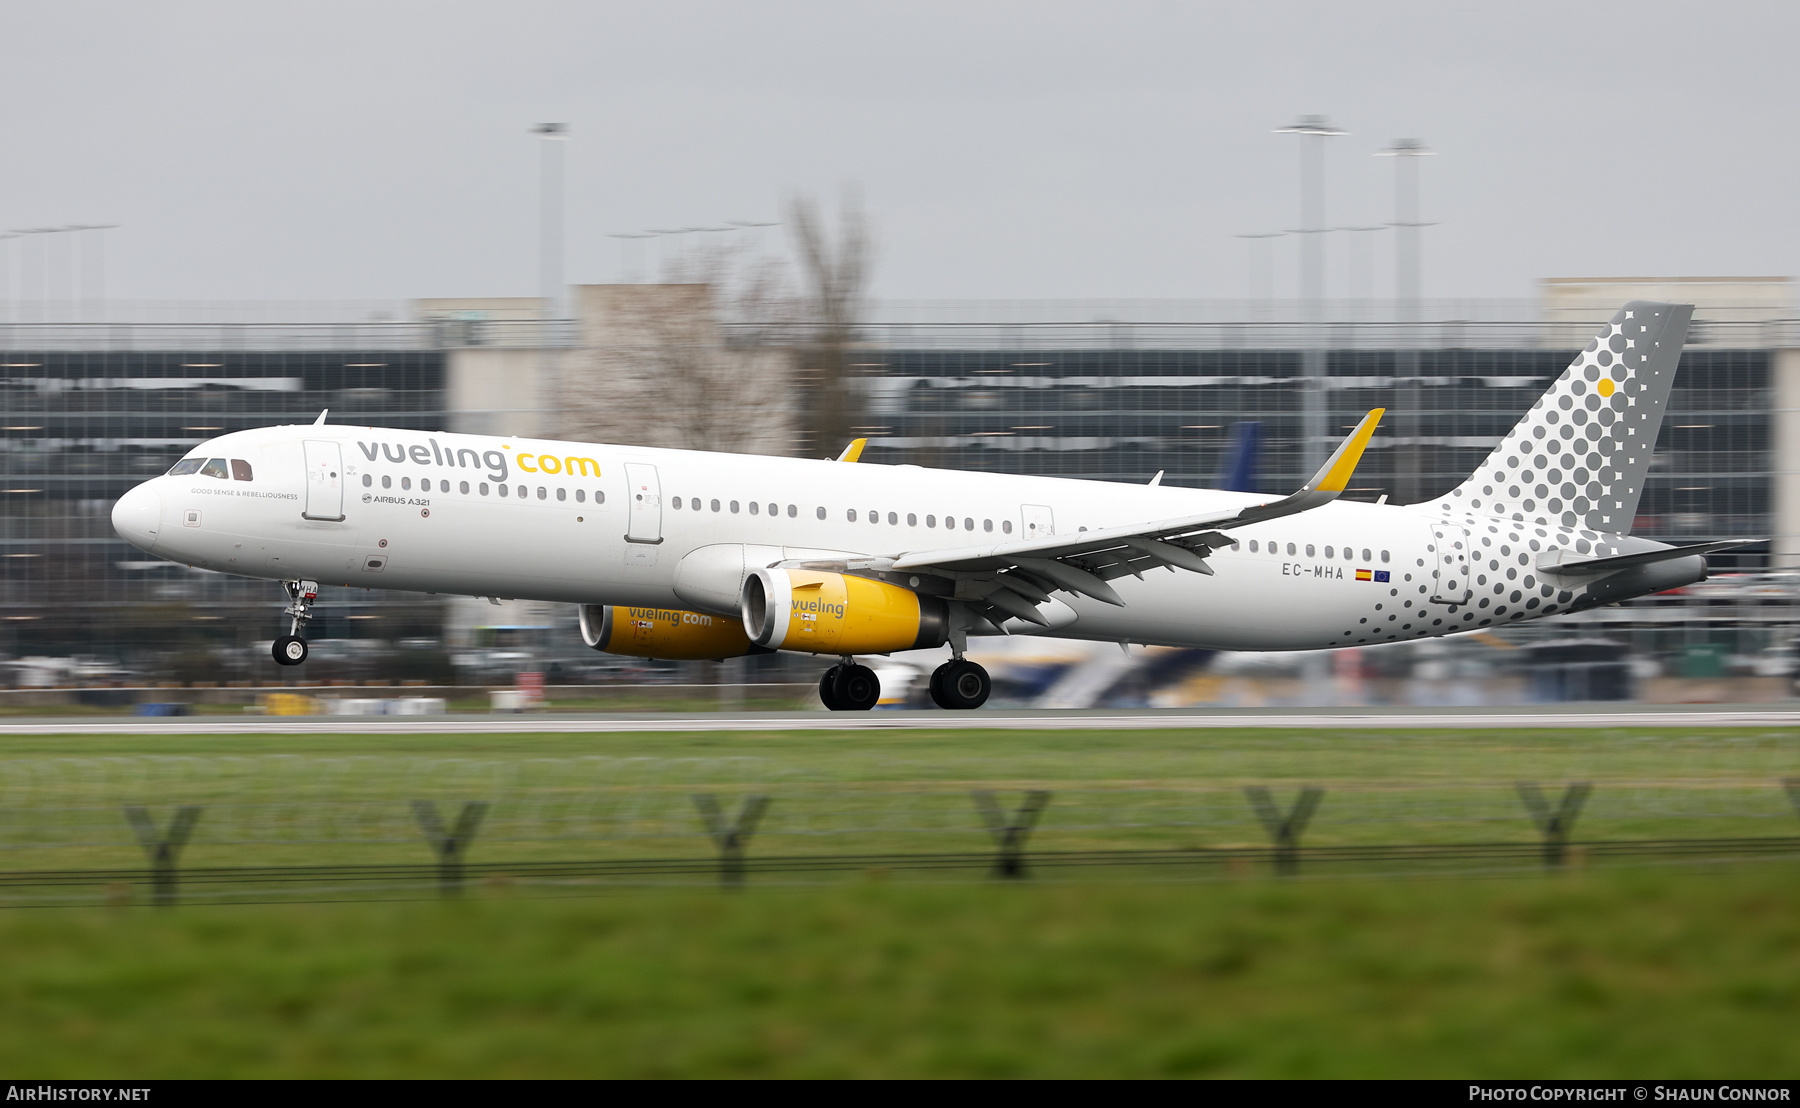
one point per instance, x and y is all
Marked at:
(1038, 520)
(324, 481)
(1450, 577)
(644, 509)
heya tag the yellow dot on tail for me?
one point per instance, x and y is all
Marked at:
(1606, 386)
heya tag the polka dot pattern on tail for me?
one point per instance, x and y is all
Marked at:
(1579, 457)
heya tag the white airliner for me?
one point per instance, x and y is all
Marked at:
(687, 554)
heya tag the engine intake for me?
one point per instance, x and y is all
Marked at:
(833, 613)
(663, 633)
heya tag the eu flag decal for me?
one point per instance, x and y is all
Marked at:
(1381, 575)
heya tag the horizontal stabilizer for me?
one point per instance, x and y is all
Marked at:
(1617, 562)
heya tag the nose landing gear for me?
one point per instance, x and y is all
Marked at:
(290, 649)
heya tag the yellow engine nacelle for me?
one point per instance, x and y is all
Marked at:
(663, 633)
(831, 613)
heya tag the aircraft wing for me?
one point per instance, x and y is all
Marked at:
(1025, 573)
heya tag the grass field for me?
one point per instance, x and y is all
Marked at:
(1631, 973)
(1661, 970)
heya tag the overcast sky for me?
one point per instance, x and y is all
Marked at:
(376, 150)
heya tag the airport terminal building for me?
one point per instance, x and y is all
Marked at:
(1114, 391)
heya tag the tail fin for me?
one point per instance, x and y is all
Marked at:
(1580, 455)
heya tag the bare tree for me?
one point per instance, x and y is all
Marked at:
(835, 276)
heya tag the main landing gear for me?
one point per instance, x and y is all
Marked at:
(290, 649)
(848, 687)
(957, 685)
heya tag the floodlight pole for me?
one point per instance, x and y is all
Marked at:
(1407, 266)
(551, 138)
(1313, 131)
(1408, 280)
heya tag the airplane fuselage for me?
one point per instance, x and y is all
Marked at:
(584, 523)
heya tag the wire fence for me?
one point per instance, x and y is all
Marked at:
(79, 829)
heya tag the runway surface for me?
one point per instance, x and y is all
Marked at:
(1560, 716)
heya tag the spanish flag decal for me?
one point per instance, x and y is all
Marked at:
(1364, 575)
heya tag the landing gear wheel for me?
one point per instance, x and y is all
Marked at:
(857, 689)
(828, 688)
(960, 685)
(289, 650)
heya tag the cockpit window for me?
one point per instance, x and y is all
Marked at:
(186, 466)
(215, 467)
(240, 470)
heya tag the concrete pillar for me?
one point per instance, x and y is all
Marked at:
(1784, 461)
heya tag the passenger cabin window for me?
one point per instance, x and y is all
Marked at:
(368, 480)
(819, 512)
(386, 481)
(849, 515)
(186, 466)
(1006, 526)
(733, 506)
(755, 507)
(501, 489)
(793, 511)
(406, 482)
(1252, 546)
(874, 517)
(484, 489)
(1328, 553)
(677, 503)
(1366, 557)
(465, 488)
(715, 505)
(580, 495)
(893, 519)
(523, 492)
(912, 520)
(599, 496)
(1309, 550)
(561, 494)
(215, 467)
(543, 493)
(931, 521)
(1291, 550)
(240, 470)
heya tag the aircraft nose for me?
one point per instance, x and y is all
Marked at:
(138, 516)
